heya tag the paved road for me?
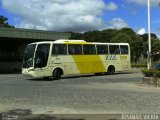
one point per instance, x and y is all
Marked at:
(119, 93)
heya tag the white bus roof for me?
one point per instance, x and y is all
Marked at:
(65, 40)
(79, 41)
(109, 43)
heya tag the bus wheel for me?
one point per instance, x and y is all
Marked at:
(111, 70)
(57, 74)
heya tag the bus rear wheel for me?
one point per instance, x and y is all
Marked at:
(57, 74)
(111, 70)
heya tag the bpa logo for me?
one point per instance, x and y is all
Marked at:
(111, 57)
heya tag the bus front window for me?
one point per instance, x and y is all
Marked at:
(28, 56)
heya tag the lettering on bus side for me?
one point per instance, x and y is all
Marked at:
(111, 57)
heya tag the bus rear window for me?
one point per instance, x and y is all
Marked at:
(124, 49)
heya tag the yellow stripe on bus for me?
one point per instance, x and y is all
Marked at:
(123, 57)
(89, 63)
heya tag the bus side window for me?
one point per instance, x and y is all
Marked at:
(59, 49)
(114, 49)
(102, 49)
(74, 49)
(124, 49)
(89, 49)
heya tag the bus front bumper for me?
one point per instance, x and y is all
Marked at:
(28, 72)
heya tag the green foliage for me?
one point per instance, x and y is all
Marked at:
(145, 36)
(76, 35)
(151, 72)
(157, 73)
(148, 73)
(121, 38)
(138, 65)
(93, 36)
(128, 31)
(4, 23)
(155, 46)
(109, 34)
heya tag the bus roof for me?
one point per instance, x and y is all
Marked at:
(98, 43)
(83, 41)
(66, 40)
(79, 42)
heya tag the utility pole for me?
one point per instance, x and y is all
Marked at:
(149, 37)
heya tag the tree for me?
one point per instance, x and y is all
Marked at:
(4, 23)
(145, 36)
(75, 36)
(128, 31)
(155, 48)
(121, 38)
(109, 34)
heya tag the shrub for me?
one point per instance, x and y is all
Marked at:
(151, 72)
(157, 73)
(138, 65)
(148, 73)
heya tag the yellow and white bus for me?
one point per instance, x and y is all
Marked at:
(64, 57)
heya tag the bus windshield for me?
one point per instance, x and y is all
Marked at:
(28, 56)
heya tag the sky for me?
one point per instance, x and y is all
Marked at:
(81, 15)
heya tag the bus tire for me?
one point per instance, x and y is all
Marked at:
(57, 74)
(111, 70)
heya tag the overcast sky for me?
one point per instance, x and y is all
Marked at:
(81, 15)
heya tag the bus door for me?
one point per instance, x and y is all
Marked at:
(41, 59)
